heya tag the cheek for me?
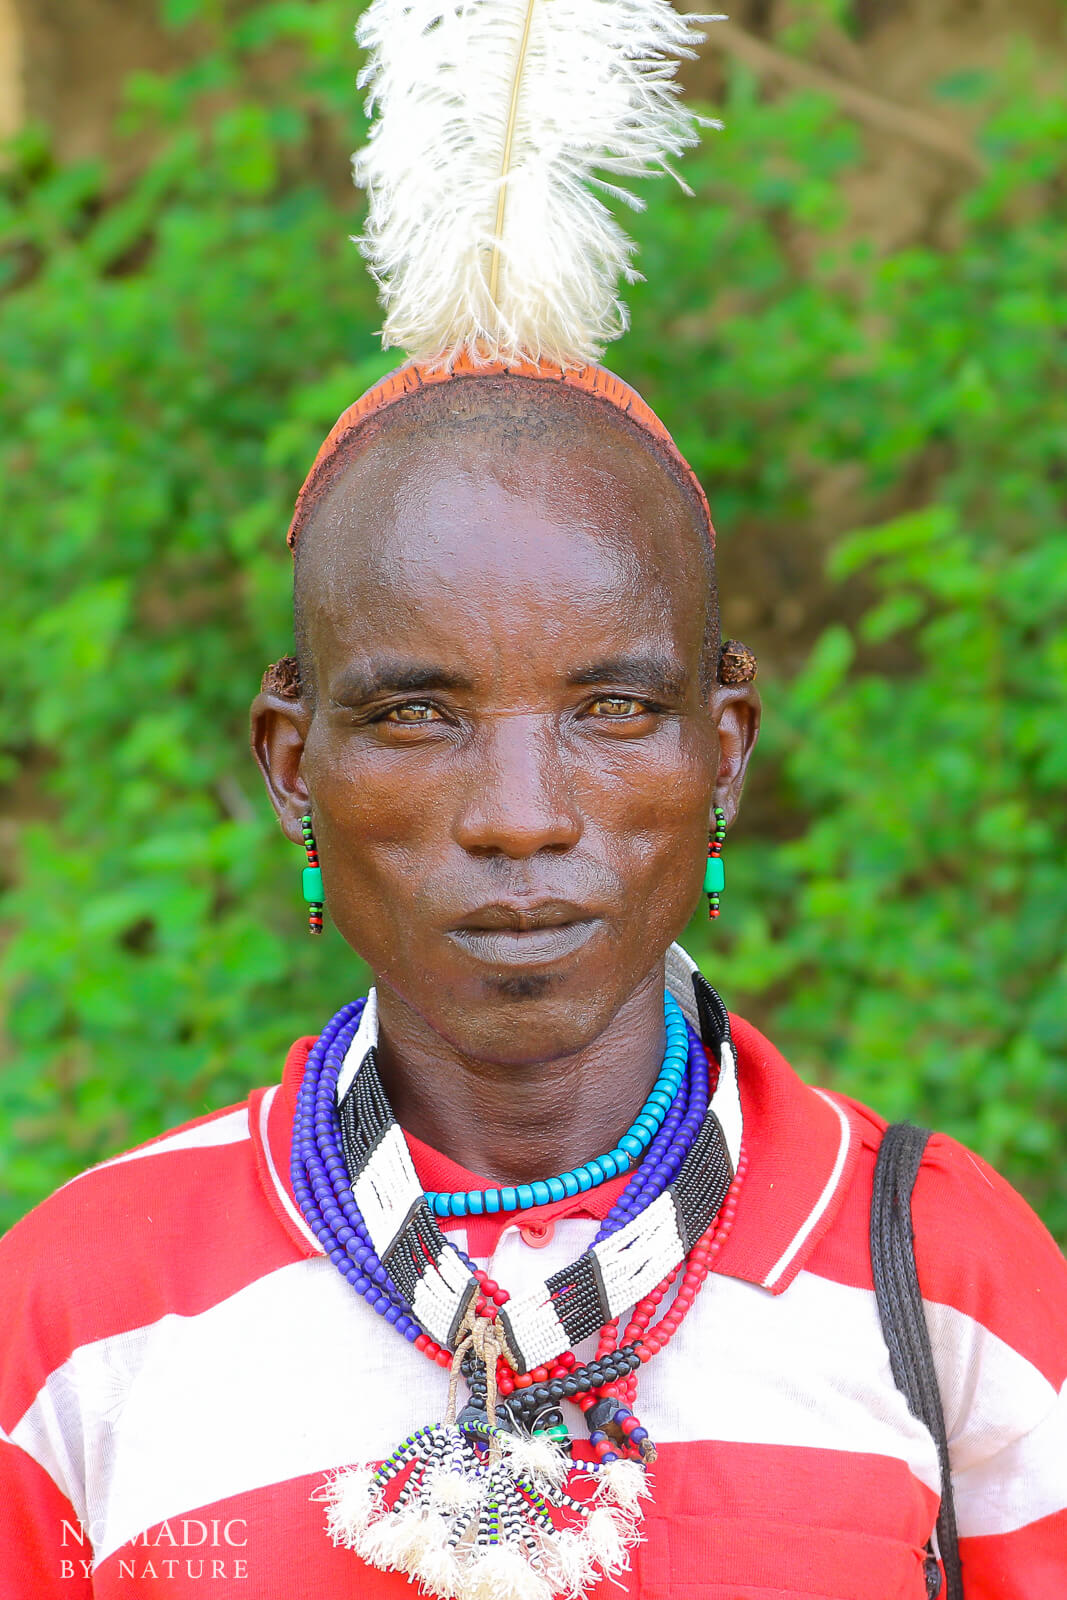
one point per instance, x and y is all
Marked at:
(381, 803)
(650, 817)
(366, 790)
(657, 789)
(382, 831)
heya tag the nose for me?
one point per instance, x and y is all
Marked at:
(520, 799)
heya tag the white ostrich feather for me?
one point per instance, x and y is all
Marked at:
(495, 124)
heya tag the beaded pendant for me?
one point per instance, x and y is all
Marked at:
(473, 1518)
(473, 1509)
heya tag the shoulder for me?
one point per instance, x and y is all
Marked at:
(171, 1227)
(150, 1178)
(989, 1270)
(984, 1256)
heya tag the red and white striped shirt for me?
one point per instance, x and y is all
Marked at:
(181, 1367)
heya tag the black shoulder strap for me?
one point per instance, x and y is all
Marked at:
(900, 1307)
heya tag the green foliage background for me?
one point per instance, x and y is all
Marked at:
(172, 354)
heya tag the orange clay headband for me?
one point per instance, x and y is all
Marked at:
(408, 379)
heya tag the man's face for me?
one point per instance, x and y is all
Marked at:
(510, 753)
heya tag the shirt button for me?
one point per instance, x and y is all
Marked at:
(537, 1234)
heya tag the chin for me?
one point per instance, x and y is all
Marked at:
(518, 1013)
(524, 1017)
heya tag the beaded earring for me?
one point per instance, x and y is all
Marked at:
(714, 872)
(312, 877)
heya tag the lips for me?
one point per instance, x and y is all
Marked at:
(514, 934)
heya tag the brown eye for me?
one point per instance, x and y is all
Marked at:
(618, 705)
(416, 711)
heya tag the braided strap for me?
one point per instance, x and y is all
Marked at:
(900, 1307)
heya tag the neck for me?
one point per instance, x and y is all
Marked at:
(513, 1124)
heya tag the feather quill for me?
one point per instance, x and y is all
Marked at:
(499, 129)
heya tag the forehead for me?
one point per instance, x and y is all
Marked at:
(478, 542)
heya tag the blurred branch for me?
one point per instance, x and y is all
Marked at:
(917, 126)
(12, 109)
(233, 799)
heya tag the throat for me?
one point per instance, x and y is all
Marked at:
(523, 1138)
(516, 1125)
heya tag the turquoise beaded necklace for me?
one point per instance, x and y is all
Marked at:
(630, 1148)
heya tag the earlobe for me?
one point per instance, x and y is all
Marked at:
(278, 728)
(738, 715)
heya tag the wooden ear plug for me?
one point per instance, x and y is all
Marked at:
(282, 677)
(737, 663)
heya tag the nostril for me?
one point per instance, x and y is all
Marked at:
(511, 833)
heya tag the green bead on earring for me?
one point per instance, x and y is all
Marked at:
(714, 872)
(312, 877)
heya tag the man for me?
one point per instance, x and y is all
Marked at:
(511, 740)
(537, 1275)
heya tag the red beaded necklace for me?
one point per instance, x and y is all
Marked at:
(648, 1341)
(698, 1263)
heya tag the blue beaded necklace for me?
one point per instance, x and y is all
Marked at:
(630, 1148)
(323, 1186)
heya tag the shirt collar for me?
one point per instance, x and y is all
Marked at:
(801, 1144)
(437, 1171)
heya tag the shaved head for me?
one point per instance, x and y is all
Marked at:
(500, 426)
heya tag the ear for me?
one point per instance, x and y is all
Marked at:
(737, 711)
(279, 728)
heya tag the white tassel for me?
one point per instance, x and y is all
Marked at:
(400, 1538)
(611, 1537)
(573, 1562)
(622, 1483)
(451, 1490)
(493, 119)
(503, 1573)
(351, 1500)
(439, 1571)
(536, 1457)
(374, 1544)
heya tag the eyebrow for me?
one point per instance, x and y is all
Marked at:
(656, 675)
(394, 677)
